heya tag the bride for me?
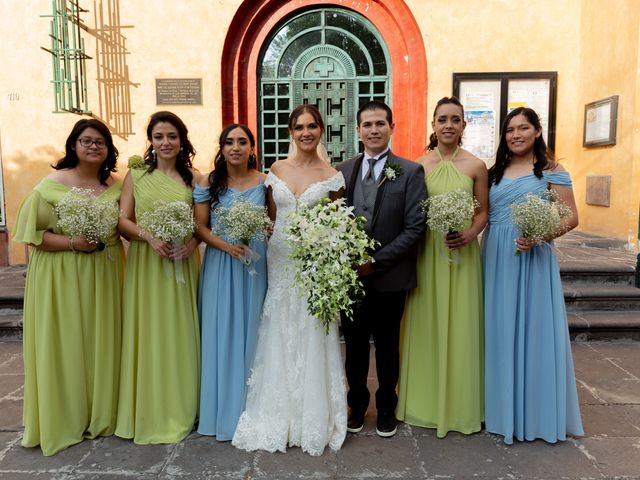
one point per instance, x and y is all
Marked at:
(296, 394)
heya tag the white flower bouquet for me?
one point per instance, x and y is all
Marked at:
(243, 222)
(170, 222)
(539, 216)
(327, 241)
(449, 213)
(80, 214)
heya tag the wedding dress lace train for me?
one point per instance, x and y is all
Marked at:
(296, 392)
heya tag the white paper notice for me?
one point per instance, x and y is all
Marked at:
(532, 94)
(598, 123)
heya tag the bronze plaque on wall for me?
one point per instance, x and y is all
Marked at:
(178, 91)
(598, 190)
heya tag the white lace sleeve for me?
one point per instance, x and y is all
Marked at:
(271, 179)
(336, 182)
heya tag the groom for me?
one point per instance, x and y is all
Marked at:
(386, 190)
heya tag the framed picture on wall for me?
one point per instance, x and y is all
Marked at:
(600, 122)
(487, 99)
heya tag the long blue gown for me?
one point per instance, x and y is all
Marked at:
(530, 387)
(229, 302)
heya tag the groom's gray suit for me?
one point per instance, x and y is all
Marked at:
(397, 223)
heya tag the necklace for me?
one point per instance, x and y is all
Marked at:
(439, 153)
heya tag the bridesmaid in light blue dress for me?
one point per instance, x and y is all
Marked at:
(230, 298)
(530, 387)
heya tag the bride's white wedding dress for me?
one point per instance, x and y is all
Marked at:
(296, 392)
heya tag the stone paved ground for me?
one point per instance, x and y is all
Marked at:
(608, 375)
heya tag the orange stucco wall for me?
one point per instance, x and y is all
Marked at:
(594, 46)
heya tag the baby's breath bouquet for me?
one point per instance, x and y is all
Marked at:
(243, 222)
(80, 214)
(170, 222)
(539, 216)
(450, 211)
(327, 240)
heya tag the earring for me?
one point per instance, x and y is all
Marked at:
(153, 154)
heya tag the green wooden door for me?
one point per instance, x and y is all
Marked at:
(332, 58)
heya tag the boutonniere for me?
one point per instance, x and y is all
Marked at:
(391, 172)
(137, 162)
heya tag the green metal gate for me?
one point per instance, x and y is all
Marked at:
(332, 58)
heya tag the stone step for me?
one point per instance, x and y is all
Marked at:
(600, 275)
(11, 301)
(10, 325)
(601, 297)
(604, 325)
(583, 325)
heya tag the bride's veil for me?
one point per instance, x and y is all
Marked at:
(322, 152)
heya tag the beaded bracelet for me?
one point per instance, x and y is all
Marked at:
(71, 246)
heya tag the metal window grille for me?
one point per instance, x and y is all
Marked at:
(68, 57)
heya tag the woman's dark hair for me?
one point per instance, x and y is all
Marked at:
(544, 158)
(305, 108)
(70, 159)
(433, 139)
(187, 152)
(219, 176)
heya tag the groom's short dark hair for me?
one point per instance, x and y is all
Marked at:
(375, 105)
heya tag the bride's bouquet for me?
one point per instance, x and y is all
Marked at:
(539, 216)
(327, 240)
(80, 214)
(449, 212)
(170, 222)
(243, 222)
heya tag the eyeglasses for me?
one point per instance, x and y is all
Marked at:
(87, 142)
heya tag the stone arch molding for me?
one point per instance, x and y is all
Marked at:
(255, 20)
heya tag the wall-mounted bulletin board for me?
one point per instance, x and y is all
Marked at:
(488, 98)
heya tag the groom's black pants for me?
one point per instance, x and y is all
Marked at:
(379, 315)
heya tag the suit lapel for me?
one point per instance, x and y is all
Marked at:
(381, 190)
(354, 176)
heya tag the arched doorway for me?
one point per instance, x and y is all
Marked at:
(255, 24)
(332, 58)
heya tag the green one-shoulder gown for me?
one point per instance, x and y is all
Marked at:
(160, 335)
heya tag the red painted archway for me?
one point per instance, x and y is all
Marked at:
(254, 21)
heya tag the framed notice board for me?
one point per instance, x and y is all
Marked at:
(488, 98)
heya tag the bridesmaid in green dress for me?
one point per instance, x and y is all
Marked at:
(441, 383)
(71, 329)
(160, 337)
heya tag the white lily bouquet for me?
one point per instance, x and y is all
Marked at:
(243, 222)
(327, 241)
(80, 214)
(449, 212)
(539, 216)
(170, 222)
